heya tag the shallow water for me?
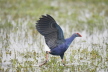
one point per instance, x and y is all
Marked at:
(22, 48)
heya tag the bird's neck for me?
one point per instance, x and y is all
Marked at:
(70, 39)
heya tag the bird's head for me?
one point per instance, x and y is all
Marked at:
(78, 35)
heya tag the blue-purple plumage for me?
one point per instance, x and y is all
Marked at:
(53, 34)
(60, 49)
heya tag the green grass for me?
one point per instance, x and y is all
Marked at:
(22, 47)
(74, 11)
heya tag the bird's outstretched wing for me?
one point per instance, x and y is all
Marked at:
(52, 32)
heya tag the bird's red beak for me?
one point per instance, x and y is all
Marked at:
(79, 35)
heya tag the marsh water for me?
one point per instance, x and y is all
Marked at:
(22, 48)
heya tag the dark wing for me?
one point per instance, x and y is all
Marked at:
(52, 32)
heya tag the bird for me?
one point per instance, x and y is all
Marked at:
(54, 37)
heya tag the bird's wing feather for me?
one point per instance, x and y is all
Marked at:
(52, 32)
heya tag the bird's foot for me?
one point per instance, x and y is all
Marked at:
(64, 64)
(43, 63)
(47, 52)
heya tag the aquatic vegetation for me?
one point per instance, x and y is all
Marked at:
(21, 47)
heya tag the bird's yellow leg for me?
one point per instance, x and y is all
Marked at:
(47, 53)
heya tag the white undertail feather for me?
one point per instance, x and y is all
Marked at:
(46, 47)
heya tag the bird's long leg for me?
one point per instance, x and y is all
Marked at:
(62, 59)
(47, 53)
(63, 62)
